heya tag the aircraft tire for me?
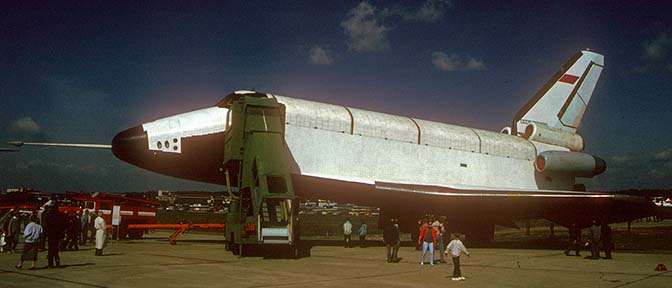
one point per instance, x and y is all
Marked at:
(137, 234)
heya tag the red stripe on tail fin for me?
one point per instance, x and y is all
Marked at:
(570, 79)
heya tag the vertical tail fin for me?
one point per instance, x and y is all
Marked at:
(560, 104)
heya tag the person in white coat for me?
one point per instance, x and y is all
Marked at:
(101, 234)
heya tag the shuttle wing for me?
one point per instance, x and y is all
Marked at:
(472, 191)
(502, 206)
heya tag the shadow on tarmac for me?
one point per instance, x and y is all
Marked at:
(113, 254)
(75, 265)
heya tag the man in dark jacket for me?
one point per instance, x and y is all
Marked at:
(607, 244)
(74, 224)
(574, 239)
(391, 239)
(55, 223)
(595, 240)
(13, 230)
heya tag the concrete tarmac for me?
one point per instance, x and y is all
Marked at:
(199, 260)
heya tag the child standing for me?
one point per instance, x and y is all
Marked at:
(456, 248)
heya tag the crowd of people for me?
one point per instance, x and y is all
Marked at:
(52, 230)
(599, 238)
(431, 236)
(55, 231)
(432, 233)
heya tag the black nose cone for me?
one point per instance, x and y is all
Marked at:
(200, 158)
(131, 145)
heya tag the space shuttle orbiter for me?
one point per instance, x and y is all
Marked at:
(359, 146)
(408, 166)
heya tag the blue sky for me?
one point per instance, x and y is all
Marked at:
(81, 72)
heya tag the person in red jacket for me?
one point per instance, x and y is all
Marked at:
(428, 238)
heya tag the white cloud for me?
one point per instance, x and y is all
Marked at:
(430, 11)
(25, 126)
(444, 62)
(656, 55)
(454, 62)
(657, 49)
(365, 33)
(619, 159)
(664, 171)
(365, 28)
(663, 155)
(320, 56)
(473, 64)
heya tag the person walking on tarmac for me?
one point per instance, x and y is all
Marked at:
(42, 244)
(456, 248)
(74, 223)
(31, 236)
(2, 241)
(13, 229)
(574, 240)
(84, 227)
(607, 244)
(91, 227)
(362, 234)
(55, 230)
(101, 233)
(439, 237)
(391, 239)
(595, 238)
(347, 232)
(422, 223)
(388, 239)
(428, 238)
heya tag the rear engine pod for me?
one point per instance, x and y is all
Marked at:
(543, 133)
(576, 164)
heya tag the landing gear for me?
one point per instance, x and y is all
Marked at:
(135, 234)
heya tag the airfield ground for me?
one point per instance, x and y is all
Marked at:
(199, 260)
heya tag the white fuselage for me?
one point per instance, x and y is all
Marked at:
(348, 144)
(354, 145)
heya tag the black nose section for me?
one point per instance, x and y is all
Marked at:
(131, 145)
(200, 158)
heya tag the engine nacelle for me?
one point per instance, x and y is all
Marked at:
(541, 132)
(576, 164)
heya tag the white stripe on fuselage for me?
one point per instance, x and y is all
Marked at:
(171, 130)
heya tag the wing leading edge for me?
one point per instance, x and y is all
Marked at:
(465, 191)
